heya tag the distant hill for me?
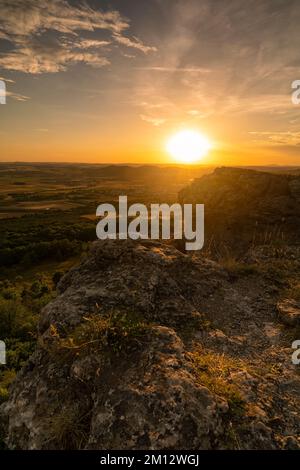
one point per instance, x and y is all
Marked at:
(244, 206)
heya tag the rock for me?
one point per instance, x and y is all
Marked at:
(291, 443)
(289, 312)
(147, 398)
(154, 403)
(149, 348)
(273, 332)
(160, 408)
(145, 277)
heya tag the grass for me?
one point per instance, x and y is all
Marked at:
(110, 336)
(67, 429)
(197, 322)
(114, 333)
(213, 371)
(236, 267)
(231, 262)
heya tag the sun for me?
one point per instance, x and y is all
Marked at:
(188, 146)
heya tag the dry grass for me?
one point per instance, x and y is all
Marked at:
(293, 292)
(67, 429)
(213, 371)
(237, 267)
(114, 333)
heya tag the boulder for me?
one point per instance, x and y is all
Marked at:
(289, 312)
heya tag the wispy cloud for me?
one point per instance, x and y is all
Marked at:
(22, 18)
(176, 69)
(17, 96)
(47, 36)
(133, 43)
(90, 43)
(36, 57)
(8, 80)
(277, 138)
(11, 94)
(155, 121)
(224, 59)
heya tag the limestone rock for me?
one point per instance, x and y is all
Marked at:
(186, 365)
(289, 312)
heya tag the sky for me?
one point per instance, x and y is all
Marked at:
(111, 81)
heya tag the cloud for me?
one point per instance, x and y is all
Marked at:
(228, 59)
(176, 69)
(4, 92)
(36, 57)
(155, 121)
(277, 138)
(4, 36)
(23, 18)
(91, 43)
(195, 113)
(8, 80)
(128, 56)
(134, 43)
(47, 36)
(17, 96)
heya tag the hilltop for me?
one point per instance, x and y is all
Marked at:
(146, 347)
(245, 207)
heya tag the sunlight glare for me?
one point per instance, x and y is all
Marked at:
(188, 146)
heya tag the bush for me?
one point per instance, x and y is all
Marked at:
(116, 332)
(16, 321)
(18, 352)
(6, 379)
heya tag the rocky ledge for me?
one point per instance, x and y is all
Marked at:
(149, 348)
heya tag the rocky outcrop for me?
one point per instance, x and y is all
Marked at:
(150, 401)
(149, 348)
(243, 206)
(289, 312)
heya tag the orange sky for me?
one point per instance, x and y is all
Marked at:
(111, 85)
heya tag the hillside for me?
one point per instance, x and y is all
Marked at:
(246, 207)
(146, 347)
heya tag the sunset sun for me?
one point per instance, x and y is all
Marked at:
(188, 146)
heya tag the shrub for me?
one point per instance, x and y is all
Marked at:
(16, 320)
(6, 378)
(115, 332)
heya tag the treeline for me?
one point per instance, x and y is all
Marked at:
(57, 250)
(28, 243)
